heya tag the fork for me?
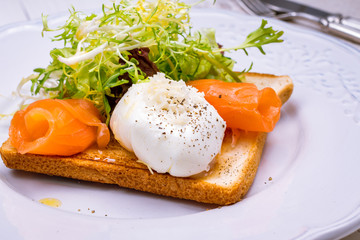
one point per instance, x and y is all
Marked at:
(257, 7)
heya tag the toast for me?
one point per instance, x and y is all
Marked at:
(229, 179)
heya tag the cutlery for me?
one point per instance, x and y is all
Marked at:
(345, 27)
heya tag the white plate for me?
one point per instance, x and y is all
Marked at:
(312, 156)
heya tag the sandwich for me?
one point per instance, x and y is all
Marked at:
(173, 130)
(225, 183)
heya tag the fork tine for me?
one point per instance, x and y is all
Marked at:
(247, 6)
(257, 7)
(262, 7)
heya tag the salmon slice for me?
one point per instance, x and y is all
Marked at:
(58, 127)
(242, 105)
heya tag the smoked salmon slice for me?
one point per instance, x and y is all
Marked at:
(242, 105)
(58, 127)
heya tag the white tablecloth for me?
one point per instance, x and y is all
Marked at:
(12, 11)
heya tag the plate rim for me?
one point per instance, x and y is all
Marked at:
(340, 228)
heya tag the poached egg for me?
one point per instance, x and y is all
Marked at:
(169, 126)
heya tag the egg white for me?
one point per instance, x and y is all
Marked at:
(169, 126)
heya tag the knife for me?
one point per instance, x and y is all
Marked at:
(346, 27)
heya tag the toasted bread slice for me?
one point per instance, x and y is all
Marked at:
(227, 182)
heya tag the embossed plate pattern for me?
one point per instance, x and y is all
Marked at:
(312, 157)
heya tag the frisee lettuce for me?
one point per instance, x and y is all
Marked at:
(88, 66)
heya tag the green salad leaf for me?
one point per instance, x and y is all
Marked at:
(97, 50)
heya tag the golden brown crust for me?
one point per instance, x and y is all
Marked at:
(95, 166)
(228, 181)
